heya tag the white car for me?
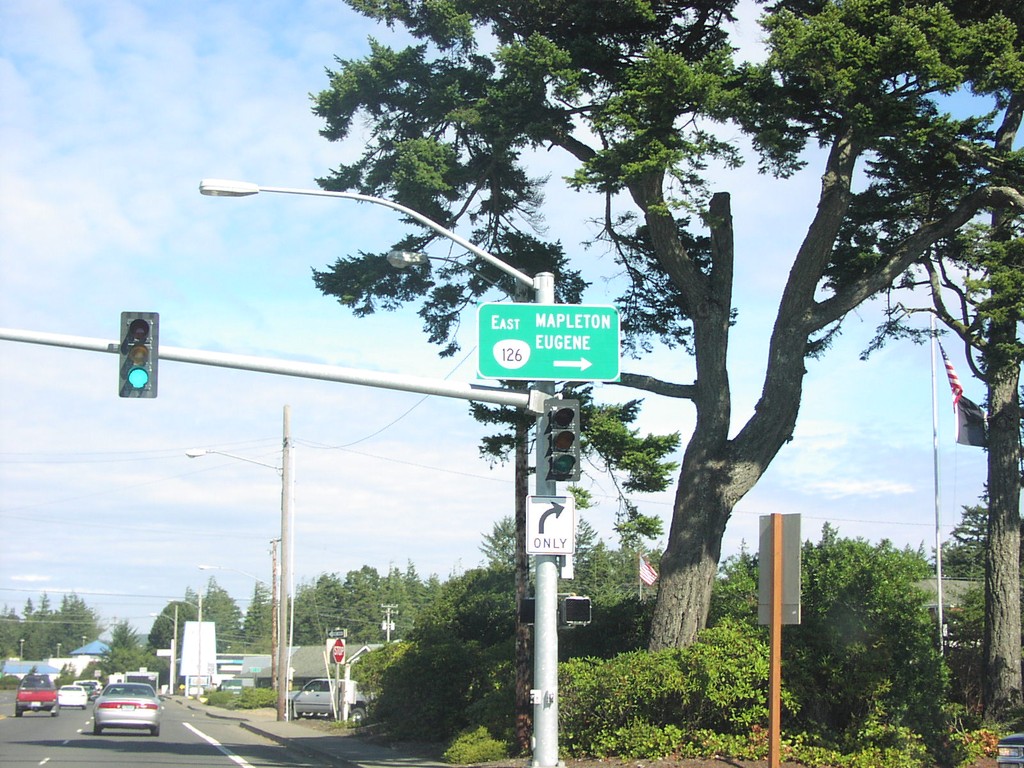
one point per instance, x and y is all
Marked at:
(72, 696)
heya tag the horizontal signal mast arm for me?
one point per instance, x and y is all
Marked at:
(532, 401)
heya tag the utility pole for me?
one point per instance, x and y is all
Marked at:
(274, 682)
(388, 625)
(172, 677)
(282, 606)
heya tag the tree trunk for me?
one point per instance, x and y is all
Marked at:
(1002, 681)
(717, 471)
(690, 562)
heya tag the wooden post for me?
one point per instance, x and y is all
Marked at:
(775, 672)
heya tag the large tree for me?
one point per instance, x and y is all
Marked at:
(632, 91)
(975, 281)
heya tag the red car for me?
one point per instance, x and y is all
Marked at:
(36, 693)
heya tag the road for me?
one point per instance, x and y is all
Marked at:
(187, 738)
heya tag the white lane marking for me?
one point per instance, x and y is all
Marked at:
(44, 761)
(210, 740)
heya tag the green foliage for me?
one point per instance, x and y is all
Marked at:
(620, 624)
(224, 699)
(371, 669)
(44, 628)
(719, 683)
(249, 698)
(734, 594)
(865, 645)
(966, 740)
(126, 651)
(964, 656)
(475, 746)
(622, 449)
(458, 656)
(258, 623)
(963, 553)
(220, 608)
(353, 603)
(640, 740)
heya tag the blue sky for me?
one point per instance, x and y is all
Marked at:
(111, 114)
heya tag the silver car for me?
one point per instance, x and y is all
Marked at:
(127, 705)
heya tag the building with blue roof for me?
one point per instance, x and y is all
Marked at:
(77, 660)
(19, 668)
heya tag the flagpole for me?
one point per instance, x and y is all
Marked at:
(639, 578)
(938, 507)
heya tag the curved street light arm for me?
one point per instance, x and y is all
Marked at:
(197, 452)
(228, 188)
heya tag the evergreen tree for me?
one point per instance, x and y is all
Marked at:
(221, 609)
(963, 554)
(126, 651)
(73, 620)
(257, 624)
(631, 92)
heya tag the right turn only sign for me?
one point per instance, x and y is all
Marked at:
(550, 525)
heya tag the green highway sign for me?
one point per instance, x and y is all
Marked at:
(548, 342)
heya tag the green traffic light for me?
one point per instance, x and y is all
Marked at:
(138, 377)
(138, 354)
(562, 465)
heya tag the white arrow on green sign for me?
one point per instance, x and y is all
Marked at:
(548, 342)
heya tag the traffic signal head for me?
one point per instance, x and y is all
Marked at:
(562, 433)
(138, 354)
(576, 610)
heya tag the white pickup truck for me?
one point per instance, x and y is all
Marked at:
(314, 700)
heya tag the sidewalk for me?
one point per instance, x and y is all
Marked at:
(339, 750)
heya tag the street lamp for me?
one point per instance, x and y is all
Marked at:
(545, 695)
(287, 551)
(228, 568)
(226, 188)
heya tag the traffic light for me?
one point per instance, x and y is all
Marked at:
(562, 433)
(139, 354)
(573, 610)
(576, 610)
(528, 610)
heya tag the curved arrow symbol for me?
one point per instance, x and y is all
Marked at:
(556, 510)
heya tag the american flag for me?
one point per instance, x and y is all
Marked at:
(647, 573)
(954, 380)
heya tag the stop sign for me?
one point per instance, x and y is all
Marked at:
(338, 651)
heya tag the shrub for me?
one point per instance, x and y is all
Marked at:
(9, 682)
(475, 746)
(639, 703)
(640, 740)
(967, 747)
(249, 698)
(256, 698)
